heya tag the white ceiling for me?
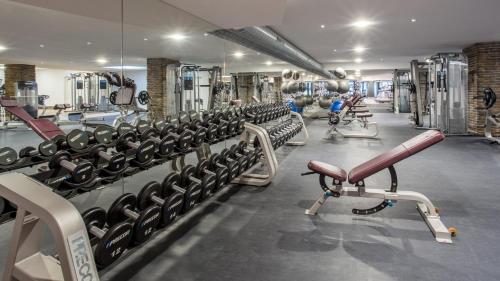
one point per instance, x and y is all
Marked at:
(64, 27)
(441, 26)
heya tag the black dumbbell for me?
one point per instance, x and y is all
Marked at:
(173, 183)
(205, 178)
(210, 129)
(144, 152)
(102, 134)
(182, 139)
(144, 222)
(212, 179)
(227, 158)
(45, 149)
(76, 140)
(115, 162)
(215, 161)
(251, 153)
(165, 145)
(8, 156)
(171, 205)
(112, 242)
(80, 172)
(198, 135)
(244, 159)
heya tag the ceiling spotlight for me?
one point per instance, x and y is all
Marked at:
(359, 49)
(358, 60)
(303, 74)
(322, 26)
(238, 54)
(177, 36)
(42, 46)
(146, 39)
(89, 43)
(413, 20)
(2, 48)
(101, 61)
(205, 34)
(361, 24)
(335, 50)
(269, 62)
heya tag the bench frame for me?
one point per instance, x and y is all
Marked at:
(424, 205)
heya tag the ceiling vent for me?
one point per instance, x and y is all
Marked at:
(267, 41)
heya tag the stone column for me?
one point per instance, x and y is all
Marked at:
(484, 72)
(157, 86)
(17, 72)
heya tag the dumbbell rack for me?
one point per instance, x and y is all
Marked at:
(304, 130)
(269, 156)
(39, 207)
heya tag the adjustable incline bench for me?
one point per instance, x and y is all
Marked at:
(351, 111)
(373, 166)
(43, 127)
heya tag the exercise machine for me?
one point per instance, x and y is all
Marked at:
(442, 103)
(387, 160)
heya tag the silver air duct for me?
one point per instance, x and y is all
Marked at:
(267, 41)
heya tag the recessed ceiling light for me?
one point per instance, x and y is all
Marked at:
(238, 54)
(335, 50)
(322, 26)
(358, 60)
(362, 24)
(42, 46)
(413, 20)
(2, 48)
(89, 43)
(146, 39)
(205, 34)
(303, 74)
(269, 62)
(101, 61)
(177, 36)
(359, 49)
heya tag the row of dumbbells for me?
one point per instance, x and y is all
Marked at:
(262, 113)
(131, 219)
(80, 153)
(282, 133)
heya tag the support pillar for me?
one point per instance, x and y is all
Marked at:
(17, 72)
(158, 85)
(484, 72)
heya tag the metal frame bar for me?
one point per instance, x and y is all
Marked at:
(424, 205)
(37, 207)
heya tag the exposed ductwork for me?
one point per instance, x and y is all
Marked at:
(267, 41)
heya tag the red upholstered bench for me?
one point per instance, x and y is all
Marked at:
(45, 128)
(388, 196)
(328, 170)
(395, 155)
(381, 162)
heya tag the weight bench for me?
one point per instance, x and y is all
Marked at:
(43, 127)
(349, 115)
(386, 160)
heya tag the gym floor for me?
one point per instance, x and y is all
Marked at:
(248, 233)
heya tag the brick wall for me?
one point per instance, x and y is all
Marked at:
(484, 71)
(157, 86)
(17, 72)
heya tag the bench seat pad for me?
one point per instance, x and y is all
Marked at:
(395, 155)
(328, 170)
